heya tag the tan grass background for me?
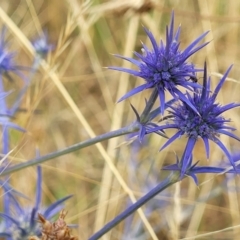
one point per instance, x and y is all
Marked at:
(76, 99)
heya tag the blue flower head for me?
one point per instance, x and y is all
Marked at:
(22, 222)
(164, 67)
(41, 45)
(207, 124)
(7, 62)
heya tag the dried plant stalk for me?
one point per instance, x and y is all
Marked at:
(54, 231)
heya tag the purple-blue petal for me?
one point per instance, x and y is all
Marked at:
(228, 107)
(130, 71)
(162, 99)
(229, 134)
(172, 139)
(206, 143)
(133, 92)
(187, 155)
(132, 60)
(153, 41)
(194, 43)
(219, 86)
(49, 211)
(184, 99)
(224, 149)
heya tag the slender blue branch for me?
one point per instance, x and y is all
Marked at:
(22, 92)
(173, 178)
(122, 131)
(145, 114)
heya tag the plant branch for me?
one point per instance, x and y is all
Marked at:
(122, 131)
(145, 114)
(173, 178)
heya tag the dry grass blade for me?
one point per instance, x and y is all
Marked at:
(63, 40)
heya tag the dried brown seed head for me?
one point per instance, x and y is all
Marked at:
(57, 230)
(34, 238)
(60, 224)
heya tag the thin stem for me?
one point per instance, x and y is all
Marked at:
(21, 94)
(122, 131)
(173, 178)
(149, 106)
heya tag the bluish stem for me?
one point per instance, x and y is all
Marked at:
(5, 150)
(173, 178)
(122, 131)
(5, 146)
(144, 116)
(33, 71)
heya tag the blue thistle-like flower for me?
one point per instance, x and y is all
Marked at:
(165, 67)
(8, 66)
(7, 63)
(6, 58)
(22, 222)
(207, 124)
(41, 45)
